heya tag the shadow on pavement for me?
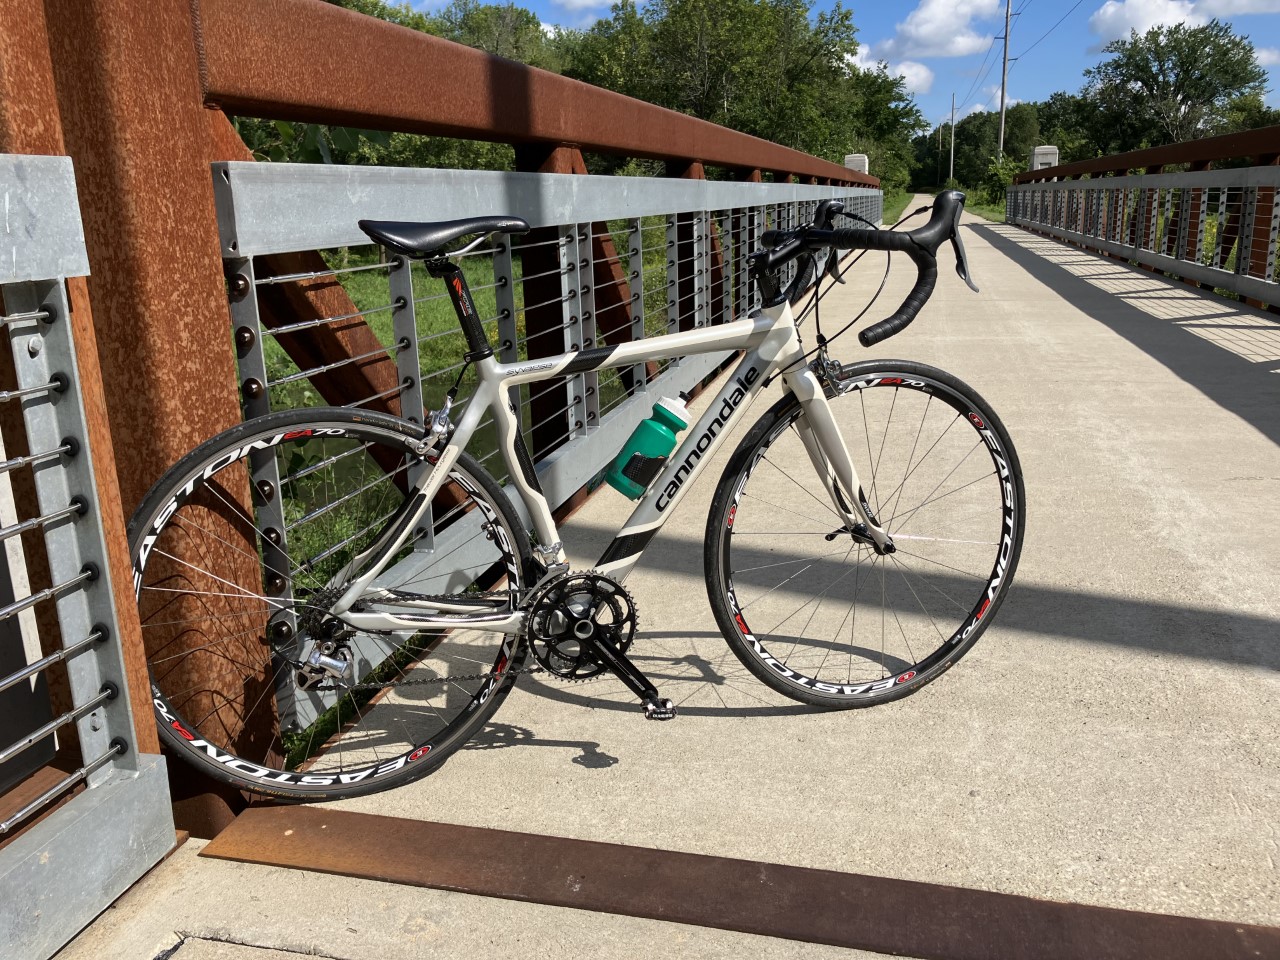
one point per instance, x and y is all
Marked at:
(1234, 361)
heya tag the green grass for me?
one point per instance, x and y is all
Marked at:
(988, 211)
(894, 205)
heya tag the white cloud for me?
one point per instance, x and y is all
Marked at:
(1115, 18)
(580, 4)
(1229, 8)
(941, 28)
(918, 78)
(1268, 56)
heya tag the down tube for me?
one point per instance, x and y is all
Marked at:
(701, 442)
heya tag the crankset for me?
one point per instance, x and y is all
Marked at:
(583, 624)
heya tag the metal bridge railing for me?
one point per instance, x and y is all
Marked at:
(608, 259)
(65, 723)
(1216, 227)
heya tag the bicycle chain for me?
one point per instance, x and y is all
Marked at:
(441, 598)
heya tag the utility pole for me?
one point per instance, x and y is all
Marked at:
(939, 153)
(1004, 78)
(953, 136)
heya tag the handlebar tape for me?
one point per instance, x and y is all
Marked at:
(926, 278)
(921, 245)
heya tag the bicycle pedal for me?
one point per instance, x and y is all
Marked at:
(657, 709)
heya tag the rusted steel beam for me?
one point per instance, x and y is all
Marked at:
(550, 422)
(1251, 143)
(308, 60)
(128, 90)
(30, 122)
(1264, 213)
(685, 262)
(375, 377)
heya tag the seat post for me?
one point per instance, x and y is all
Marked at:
(464, 306)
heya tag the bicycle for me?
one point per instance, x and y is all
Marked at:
(395, 617)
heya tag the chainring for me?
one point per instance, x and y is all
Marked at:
(571, 608)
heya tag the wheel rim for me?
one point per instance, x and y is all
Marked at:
(224, 641)
(832, 618)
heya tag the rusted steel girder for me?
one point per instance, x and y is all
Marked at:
(128, 91)
(30, 122)
(376, 376)
(308, 60)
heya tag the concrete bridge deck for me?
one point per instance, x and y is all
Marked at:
(1111, 740)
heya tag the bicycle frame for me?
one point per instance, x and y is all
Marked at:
(771, 342)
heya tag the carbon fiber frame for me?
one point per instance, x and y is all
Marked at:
(771, 343)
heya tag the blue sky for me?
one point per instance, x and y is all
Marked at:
(941, 46)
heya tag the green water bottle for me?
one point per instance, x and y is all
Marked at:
(646, 453)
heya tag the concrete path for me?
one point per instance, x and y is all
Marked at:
(1111, 739)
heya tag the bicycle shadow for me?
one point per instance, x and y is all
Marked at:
(502, 736)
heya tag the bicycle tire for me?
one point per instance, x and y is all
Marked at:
(223, 668)
(798, 605)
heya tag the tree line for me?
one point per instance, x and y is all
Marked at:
(1167, 85)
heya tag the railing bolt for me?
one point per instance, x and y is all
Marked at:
(245, 337)
(252, 389)
(275, 583)
(272, 534)
(238, 287)
(267, 490)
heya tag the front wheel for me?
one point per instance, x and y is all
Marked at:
(823, 618)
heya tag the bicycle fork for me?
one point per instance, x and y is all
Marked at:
(826, 448)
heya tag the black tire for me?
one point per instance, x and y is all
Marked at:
(229, 608)
(824, 619)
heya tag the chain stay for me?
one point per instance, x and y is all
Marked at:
(441, 598)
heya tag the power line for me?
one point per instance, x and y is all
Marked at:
(1050, 30)
(979, 84)
(973, 86)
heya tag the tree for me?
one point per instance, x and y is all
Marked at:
(504, 30)
(1179, 82)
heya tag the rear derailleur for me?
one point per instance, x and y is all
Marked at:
(583, 624)
(330, 657)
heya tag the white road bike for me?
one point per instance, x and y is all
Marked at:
(358, 649)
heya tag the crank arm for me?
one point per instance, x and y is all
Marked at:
(655, 707)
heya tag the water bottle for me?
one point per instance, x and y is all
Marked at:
(646, 452)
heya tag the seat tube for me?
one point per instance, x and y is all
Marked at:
(463, 305)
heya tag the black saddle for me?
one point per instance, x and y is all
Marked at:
(425, 239)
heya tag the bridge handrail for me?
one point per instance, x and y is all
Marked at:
(1216, 228)
(278, 59)
(1261, 145)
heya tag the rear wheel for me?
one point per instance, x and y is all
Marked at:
(238, 553)
(823, 618)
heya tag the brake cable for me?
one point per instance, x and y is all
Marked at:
(818, 294)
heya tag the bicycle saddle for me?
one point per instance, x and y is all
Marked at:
(425, 239)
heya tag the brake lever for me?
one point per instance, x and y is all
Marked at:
(962, 261)
(833, 267)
